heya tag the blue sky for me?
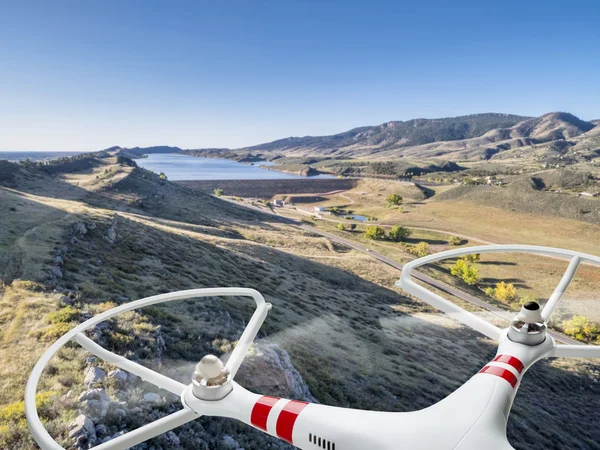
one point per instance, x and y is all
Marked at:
(83, 75)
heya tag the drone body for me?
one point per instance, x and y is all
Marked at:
(471, 418)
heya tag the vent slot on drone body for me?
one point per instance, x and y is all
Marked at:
(321, 442)
(507, 405)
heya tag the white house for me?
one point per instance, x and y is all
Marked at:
(319, 209)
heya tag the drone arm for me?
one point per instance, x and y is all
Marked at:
(149, 431)
(144, 373)
(561, 288)
(576, 351)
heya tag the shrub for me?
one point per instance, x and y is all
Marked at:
(399, 233)
(463, 270)
(375, 232)
(470, 275)
(218, 192)
(341, 227)
(455, 240)
(28, 285)
(472, 258)
(52, 332)
(581, 328)
(506, 292)
(63, 315)
(394, 199)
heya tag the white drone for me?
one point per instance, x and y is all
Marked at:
(471, 418)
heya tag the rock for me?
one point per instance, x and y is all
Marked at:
(90, 226)
(97, 408)
(56, 272)
(93, 375)
(132, 378)
(172, 439)
(102, 326)
(73, 240)
(82, 427)
(58, 261)
(151, 397)
(99, 262)
(91, 360)
(96, 401)
(67, 300)
(101, 430)
(111, 234)
(94, 394)
(62, 251)
(122, 299)
(67, 397)
(230, 442)
(79, 228)
(120, 376)
(120, 414)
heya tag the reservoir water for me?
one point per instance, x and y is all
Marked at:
(183, 167)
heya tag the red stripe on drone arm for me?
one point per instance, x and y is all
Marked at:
(261, 410)
(511, 361)
(287, 419)
(500, 372)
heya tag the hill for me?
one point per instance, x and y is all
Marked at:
(395, 134)
(474, 137)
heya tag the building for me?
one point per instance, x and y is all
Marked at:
(320, 209)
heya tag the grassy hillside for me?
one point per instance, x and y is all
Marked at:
(522, 196)
(74, 244)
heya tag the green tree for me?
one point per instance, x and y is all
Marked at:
(341, 227)
(399, 233)
(374, 232)
(394, 199)
(162, 176)
(353, 226)
(580, 328)
(218, 192)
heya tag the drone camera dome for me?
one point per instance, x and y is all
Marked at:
(209, 367)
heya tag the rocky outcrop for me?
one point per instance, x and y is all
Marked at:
(82, 430)
(120, 376)
(271, 370)
(93, 375)
(111, 233)
(152, 398)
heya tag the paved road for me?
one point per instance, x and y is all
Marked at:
(390, 262)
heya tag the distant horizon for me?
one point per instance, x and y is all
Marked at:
(277, 138)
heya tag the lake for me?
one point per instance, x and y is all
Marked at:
(184, 167)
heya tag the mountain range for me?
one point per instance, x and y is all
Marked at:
(469, 138)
